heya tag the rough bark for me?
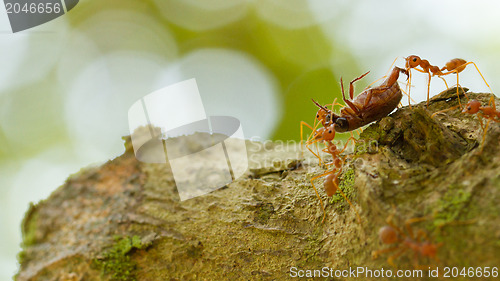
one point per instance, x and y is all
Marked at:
(123, 220)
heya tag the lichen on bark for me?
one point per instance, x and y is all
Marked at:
(269, 220)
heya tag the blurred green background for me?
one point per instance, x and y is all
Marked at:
(66, 86)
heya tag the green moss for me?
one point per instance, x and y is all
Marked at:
(264, 212)
(29, 226)
(368, 137)
(116, 260)
(451, 204)
(373, 132)
(347, 186)
(312, 248)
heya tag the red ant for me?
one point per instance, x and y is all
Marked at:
(489, 112)
(419, 243)
(453, 66)
(331, 180)
(324, 117)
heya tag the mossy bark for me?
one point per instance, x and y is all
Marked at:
(123, 220)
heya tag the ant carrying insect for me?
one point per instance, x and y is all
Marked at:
(370, 105)
(489, 112)
(453, 66)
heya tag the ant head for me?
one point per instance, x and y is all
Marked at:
(329, 133)
(341, 124)
(388, 235)
(324, 115)
(412, 61)
(428, 249)
(320, 115)
(472, 107)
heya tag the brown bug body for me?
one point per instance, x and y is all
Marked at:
(370, 105)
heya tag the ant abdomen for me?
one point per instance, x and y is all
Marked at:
(388, 235)
(331, 184)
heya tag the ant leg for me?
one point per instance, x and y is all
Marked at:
(492, 103)
(428, 82)
(302, 124)
(480, 74)
(445, 83)
(375, 254)
(351, 138)
(484, 135)
(308, 141)
(389, 221)
(359, 131)
(428, 88)
(409, 88)
(409, 98)
(458, 85)
(390, 260)
(334, 103)
(458, 95)
(421, 235)
(471, 62)
(317, 152)
(409, 222)
(386, 74)
(444, 110)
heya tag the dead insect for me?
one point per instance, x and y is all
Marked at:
(370, 105)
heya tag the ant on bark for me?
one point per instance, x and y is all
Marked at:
(332, 177)
(370, 105)
(324, 117)
(419, 243)
(453, 66)
(489, 112)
